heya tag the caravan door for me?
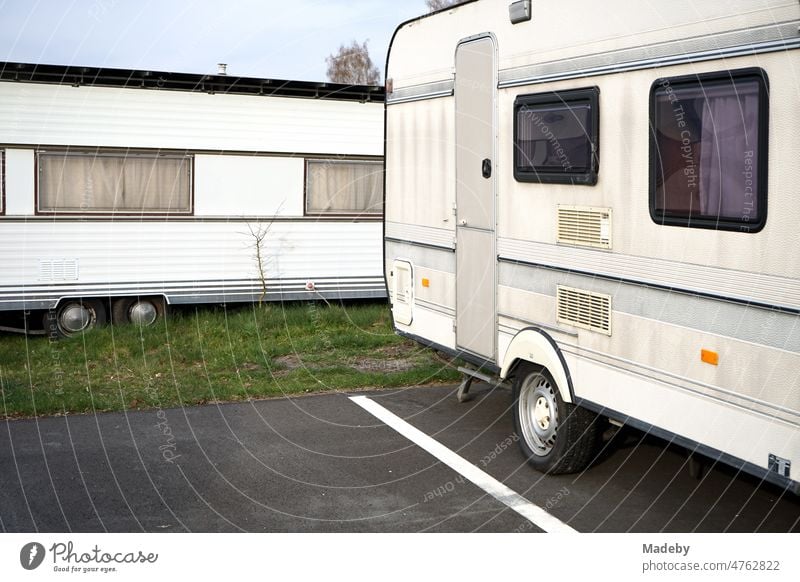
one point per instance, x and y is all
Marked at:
(476, 255)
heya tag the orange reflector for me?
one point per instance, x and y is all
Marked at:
(426, 282)
(709, 357)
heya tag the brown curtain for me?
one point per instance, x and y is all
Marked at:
(75, 182)
(344, 187)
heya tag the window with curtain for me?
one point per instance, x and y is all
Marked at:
(556, 137)
(708, 148)
(105, 182)
(344, 187)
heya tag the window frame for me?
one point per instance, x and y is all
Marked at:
(113, 152)
(701, 80)
(343, 160)
(2, 181)
(565, 97)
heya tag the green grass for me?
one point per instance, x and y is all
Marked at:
(213, 355)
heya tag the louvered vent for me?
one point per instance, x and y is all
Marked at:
(584, 226)
(584, 309)
(58, 270)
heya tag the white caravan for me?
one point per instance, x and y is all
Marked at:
(601, 204)
(124, 191)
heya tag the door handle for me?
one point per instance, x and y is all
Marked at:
(486, 168)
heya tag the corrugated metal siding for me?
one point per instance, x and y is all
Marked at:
(127, 255)
(129, 118)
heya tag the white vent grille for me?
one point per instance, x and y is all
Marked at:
(58, 270)
(584, 226)
(584, 309)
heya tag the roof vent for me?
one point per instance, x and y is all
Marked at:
(222, 68)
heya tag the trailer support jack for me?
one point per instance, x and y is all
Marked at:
(469, 375)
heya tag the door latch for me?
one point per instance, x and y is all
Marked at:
(486, 168)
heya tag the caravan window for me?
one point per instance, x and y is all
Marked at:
(110, 182)
(708, 151)
(344, 187)
(556, 137)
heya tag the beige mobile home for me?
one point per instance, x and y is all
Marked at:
(601, 204)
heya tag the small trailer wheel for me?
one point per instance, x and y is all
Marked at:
(556, 437)
(141, 311)
(73, 317)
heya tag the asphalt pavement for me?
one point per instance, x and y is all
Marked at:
(324, 464)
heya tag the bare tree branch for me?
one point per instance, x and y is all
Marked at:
(259, 234)
(352, 65)
(434, 5)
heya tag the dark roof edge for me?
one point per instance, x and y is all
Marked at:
(429, 15)
(192, 82)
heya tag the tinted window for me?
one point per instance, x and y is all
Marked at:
(708, 151)
(556, 137)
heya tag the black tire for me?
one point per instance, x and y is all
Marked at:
(121, 309)
(555, 437)
(56, 320)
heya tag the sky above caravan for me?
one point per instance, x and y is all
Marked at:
(257, 38)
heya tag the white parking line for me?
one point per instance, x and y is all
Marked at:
(533, 513)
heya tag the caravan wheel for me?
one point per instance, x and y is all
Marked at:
(556, 437)
(141, 311)
(74, 316)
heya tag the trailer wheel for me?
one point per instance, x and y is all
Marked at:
(74, 316)
(556, 437)
(141, 311)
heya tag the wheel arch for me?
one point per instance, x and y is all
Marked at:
(537, 347)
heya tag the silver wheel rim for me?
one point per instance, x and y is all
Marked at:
(143, 313)
(538, 414)
(75, 318)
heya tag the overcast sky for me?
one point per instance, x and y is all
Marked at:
(261, 38)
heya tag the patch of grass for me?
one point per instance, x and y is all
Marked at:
(212, 354)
